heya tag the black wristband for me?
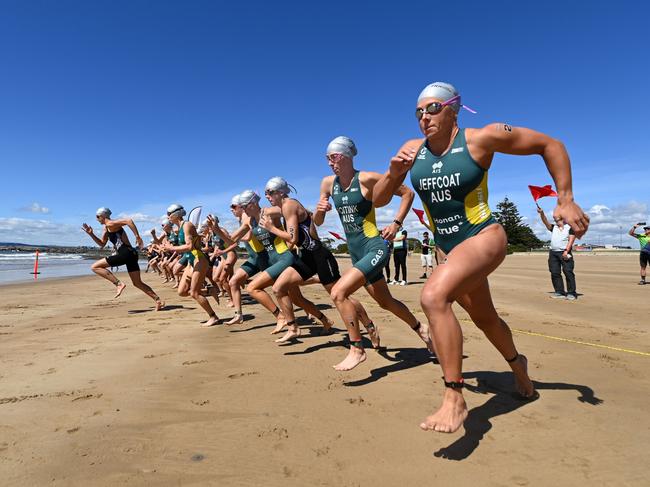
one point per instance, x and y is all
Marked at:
(398, 222)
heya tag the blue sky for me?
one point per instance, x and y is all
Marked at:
(138, 104)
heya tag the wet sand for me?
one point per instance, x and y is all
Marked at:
(95, 391)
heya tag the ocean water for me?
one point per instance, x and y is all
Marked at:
(17, 266)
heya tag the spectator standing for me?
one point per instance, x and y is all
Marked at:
(400, 250)
(644, 242)
(560, 258)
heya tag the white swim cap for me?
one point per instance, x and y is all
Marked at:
(234, 201)
(248, 196)
(166, 223)
(342, 145)
(103, 211)
(175, 208)
(279, 184)
(442, 91)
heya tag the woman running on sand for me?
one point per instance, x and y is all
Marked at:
(257, 260)
(189, 242)
(125, 254)
(449, 171)
(314, 259)
(279, 258)
(352, 192)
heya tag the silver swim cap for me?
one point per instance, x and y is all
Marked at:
(103, 211)
(442, 91)
(234, 201)
(166, 223)
(279, 184)
(248, 196)
(342, 145)
(175, 208)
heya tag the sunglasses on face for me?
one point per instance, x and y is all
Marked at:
(434, 108)
(334, 157)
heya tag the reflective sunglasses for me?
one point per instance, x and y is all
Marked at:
(335, 157)
(436, 107)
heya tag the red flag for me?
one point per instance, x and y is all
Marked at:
(541, 191)
(420, 214)
(336, 235)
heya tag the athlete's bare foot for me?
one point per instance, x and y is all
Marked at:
(118, 290)
(279, 326)
(523, 385)
(214, 320)
(354, 358)
(160, 304)
(373, 334)
(230, 304)
(238, 319)
(451, 415)
(289, 335)
(423, 333)
(326, 322)
(175, 285)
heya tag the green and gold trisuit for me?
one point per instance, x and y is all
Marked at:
(453, 189)
(258, 259)
(366, 246)
(280, 257)
(195, 253)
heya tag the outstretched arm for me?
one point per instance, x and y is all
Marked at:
(156, 240)
(101, 242)
(498, 137)
(545, 221)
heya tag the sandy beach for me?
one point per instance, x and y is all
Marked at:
(96, 391)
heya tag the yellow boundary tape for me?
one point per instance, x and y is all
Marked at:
(568, 340)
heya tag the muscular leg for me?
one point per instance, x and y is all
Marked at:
(461, 277)
(362, 316)
(256, 289)
(136, 279)
(198, 278)
(380, 293)
(185, 281)
(287, 281)
(478, 304)
(351, 280)
(235, 282)
(100, 268)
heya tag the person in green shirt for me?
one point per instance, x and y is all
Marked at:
(644, 242)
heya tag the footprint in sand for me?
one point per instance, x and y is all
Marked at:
(201, 403)
(277, 432)
(242, 374)
(151, 355)
(74, 430)
(335, 384)
(87, 396)
(51, 370)
(359, 401)
(194, 362)
(76, 353)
